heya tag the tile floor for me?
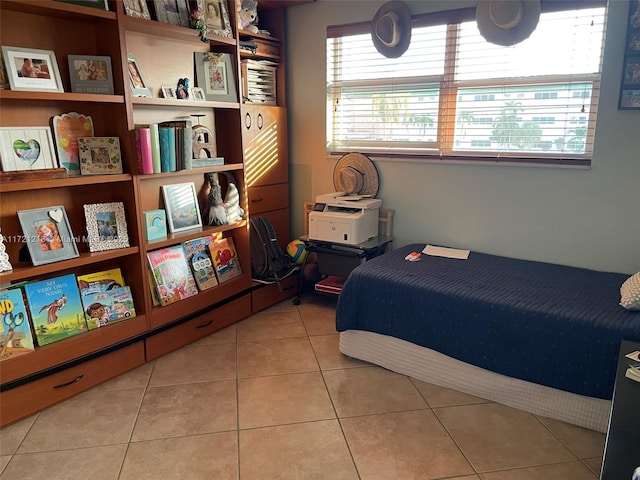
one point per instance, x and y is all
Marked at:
(272, 398)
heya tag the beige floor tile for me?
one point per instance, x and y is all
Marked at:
(319, 318)
(282, 399)
(594, 464)
(271, 325)
(90, 419)
(195, 364)
(369, 390)
(302, 451)
(406, 445)
(96, 463)
(226, 335)
(274, 357)
(437, 396)
(4, 460)
(284, 306)
(561, 471)
(12, 435)
(191, 409)
(136, 378)
(494, 436)
(327, 350)
(582, 442)
(198, 457)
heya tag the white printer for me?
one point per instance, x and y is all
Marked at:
(351, 219)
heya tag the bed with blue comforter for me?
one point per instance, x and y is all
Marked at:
(547, 324)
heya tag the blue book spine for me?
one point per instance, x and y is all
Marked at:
(167, 149)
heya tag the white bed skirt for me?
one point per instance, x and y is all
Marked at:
(430, 366)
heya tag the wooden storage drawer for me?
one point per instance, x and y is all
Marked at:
(266, 47)
(269, 295)
(268, 197)
(27, 399)
(198, 327)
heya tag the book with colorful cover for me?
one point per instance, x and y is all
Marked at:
(155, 224)
(171, 274)
(56, 309)
(199, 259)
(15, 329)
(102, 280)
(107, 306)
(225, 259)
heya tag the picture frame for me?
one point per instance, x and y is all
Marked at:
(181, 205)
(90, 74)
(106, 226)
(175, 12)
(67, 128)
(4, 79)
(101, 4)
(26, 148)
(100, 155)
(137, 9)
(197, 93)
(137, 84)
(216, 76)
(216, 15)
(31, 69)
(630, 82)
(168, 91)
(48, 234)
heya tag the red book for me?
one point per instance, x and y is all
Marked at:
(143, 146)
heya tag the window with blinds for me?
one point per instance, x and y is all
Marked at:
(454, 95)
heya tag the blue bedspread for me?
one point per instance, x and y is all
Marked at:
(549, 324)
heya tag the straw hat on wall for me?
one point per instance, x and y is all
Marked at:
(355, 174)
(391, 29)
(507, 22)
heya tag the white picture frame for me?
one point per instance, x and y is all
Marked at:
(106, 226)
(26, 148)
(182, 207)
(139, 87)
(31, 69)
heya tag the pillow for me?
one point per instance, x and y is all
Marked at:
(630, 293)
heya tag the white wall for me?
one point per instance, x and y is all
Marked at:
(585, 218)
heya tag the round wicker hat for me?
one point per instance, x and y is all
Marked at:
(391, 29)
(355, 174)
(507, 22)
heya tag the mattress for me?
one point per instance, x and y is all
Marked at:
(547, 324)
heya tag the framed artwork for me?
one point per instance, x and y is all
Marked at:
(138, 86)
(106, 226)
(30, 69)
(137, 8)
(90, 74)
(26, 148)
(100, 155)
(216, 17)
(197, 93)
(67, 129)
(181, 204)
(630, 84)
(175, 12)
(168, 91)
(101, 4)
(215, 75)
(48, 234)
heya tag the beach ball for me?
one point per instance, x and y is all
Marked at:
(297, 251)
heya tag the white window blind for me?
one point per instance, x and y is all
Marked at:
(452, 94)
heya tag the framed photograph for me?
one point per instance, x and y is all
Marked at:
(216, 14)
(101, 4)
(48, 234)
(106, 226)
(100, 155)
(26, 148)
(67, 129)
(90, 74)
(168, 91)
(33, 70)
(175, 12)
(215, 75)
(138, 86)
(137, 8)
(630, 84)
(181, 204)
(197, 93)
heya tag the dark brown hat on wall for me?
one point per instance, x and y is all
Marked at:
(507, 22)
(391, 29)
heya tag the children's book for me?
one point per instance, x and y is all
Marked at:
(197, 253)
(155, 223)
(56, 309)
(103, 280)
(108, 306)
(171, 274)
(225, 259)
(15, 328)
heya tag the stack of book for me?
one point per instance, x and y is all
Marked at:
(164, 147)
